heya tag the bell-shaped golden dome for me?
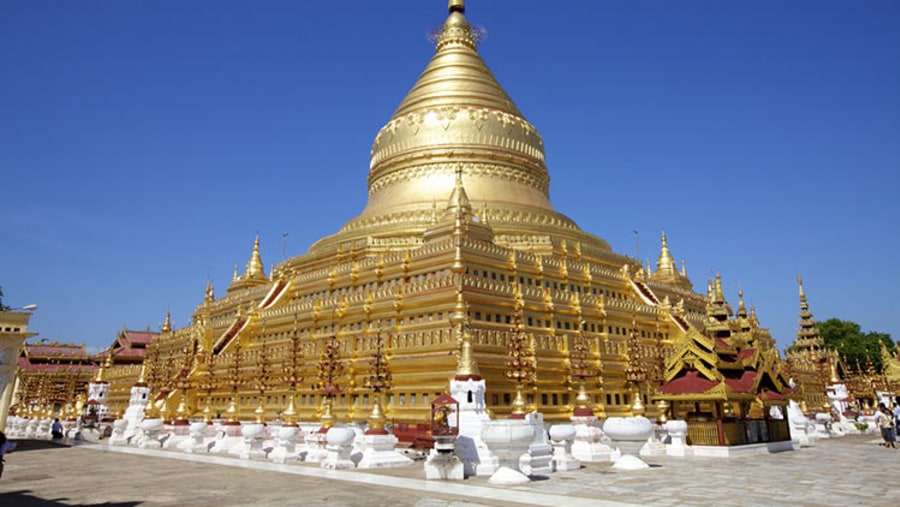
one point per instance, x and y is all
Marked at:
(457, 116)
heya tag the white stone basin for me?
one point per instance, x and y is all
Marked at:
(560, 432)
(151, 424)
(339, 436)
(253, 430)
(676, 426)
(629, 434)
(288, 432)
(507, 431)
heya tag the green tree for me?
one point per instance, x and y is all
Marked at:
(855, 347)
(2, 306)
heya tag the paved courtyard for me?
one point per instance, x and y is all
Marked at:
(853, 470)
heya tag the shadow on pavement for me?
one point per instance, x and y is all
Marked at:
(38, 445)
(24, 498)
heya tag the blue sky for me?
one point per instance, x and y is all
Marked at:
(144, 144)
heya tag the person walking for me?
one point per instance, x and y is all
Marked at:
(884, 419)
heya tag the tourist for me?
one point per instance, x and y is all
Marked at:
(57, 430)
(885, 420)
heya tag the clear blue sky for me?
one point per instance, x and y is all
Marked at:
(143, 144)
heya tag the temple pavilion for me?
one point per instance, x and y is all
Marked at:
(458, 232)
(726, 381)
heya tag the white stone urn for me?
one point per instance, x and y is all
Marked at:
(561, 432)
(677, 431)
(562, 436)
(508, 439)
(338, 446)
(254, 435)
(285, 450)
(629, 434)
(197, 432)
(118, 432)
(150, 429)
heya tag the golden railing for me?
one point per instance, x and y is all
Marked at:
(738, 432)
(703, 433)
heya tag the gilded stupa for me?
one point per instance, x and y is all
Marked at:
(457, 253)
(458, 115)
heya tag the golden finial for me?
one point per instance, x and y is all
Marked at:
(167, 325)
(802, 292)
(683, 269)
(456, 29)
(742, 310)
(210, 295)
(720, 296)
(235, 277)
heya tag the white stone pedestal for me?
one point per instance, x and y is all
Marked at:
(285, 450)
(380, 451)
(588, 445)
(118, 433)
(228, 436)
(150, 429)
(339, 445)
(539, 458)
(562, 436)
(442, 462)
(677, 438)
(254, 436)
(196, 442)
(316, 443)
(178, 435)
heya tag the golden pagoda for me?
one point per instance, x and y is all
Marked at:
(811, 366)
(458, 238)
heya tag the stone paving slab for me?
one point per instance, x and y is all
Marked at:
(852, 470)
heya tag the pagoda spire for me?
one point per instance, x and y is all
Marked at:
(742, 309)
(167, 325)
(142, 378)
(807, 336)
(255, 267)
(100, 378)
(458, 205)
(210, 293)
(665, 264)
(666, 269)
